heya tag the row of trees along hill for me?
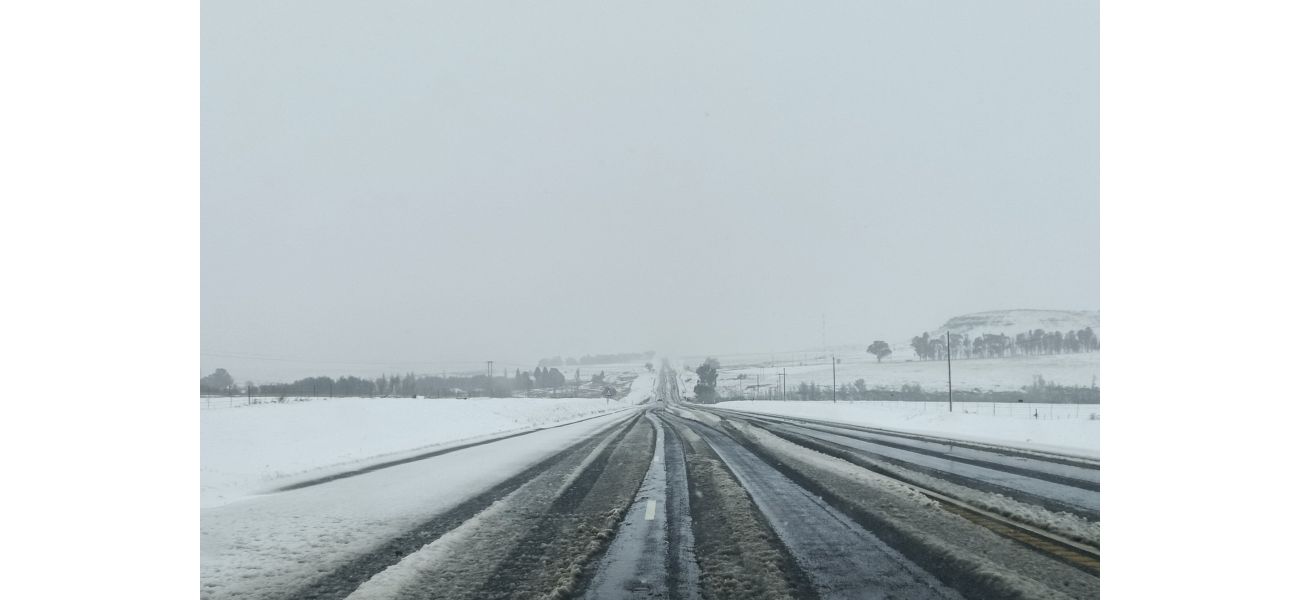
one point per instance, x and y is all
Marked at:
(221, 382)
(996, 345)
(597, 359)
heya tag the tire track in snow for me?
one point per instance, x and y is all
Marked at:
(684, 576)
(839, 557)
(427, 455)
(553, 559)
(738, 554)
(1033, 454)
(1074, 476)
(973, 559)
(342, 581)
(1049, 495)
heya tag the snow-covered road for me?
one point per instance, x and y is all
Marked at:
(271, 545)
(839, 557)
(671, 500)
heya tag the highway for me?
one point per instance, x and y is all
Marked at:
(681, 501)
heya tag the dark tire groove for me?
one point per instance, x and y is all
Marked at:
(684, 571)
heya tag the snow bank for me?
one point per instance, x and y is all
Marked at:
(255, 448)
(1077, 435)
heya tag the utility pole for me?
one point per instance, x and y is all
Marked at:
(948, 336)
(783, 384)
(834, 386)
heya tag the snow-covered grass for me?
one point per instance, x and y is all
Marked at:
(1063, 428)
(269, 545)
(251, 449)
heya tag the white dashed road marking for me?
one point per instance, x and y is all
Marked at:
(650, 510)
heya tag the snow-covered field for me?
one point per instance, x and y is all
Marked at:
(611, 370)
(903, 367)
(257, 547)
(987, 374)
(251, 449)
(254, 543)
(1064, 428)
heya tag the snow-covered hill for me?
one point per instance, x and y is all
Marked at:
(1016, 321)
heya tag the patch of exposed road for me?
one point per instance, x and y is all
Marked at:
(636, 563)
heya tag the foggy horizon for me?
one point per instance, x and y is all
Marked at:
(397, 185)
(270, 369)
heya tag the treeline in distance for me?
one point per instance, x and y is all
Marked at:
(410, 384)
(996, 345)
(598, 359)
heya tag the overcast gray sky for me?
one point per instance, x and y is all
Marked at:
(405, 185)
